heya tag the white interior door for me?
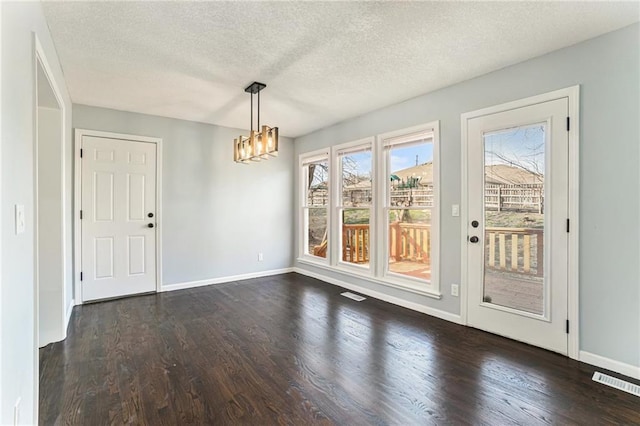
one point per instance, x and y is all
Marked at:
(118, 217)
(517, 245)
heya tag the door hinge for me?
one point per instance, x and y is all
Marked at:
(81, 152)
(567, 225)
(80, 214)
(567, 326)
(80, 276)
(568, 123)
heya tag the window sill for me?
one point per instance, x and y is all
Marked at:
(366, 275)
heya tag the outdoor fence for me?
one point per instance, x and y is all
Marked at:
(525, 197)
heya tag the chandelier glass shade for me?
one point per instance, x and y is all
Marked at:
(261, 144)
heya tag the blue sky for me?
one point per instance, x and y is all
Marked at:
(522, 146)
(405, 157)
(401, 158)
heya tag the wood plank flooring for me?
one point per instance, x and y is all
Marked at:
(289, 349)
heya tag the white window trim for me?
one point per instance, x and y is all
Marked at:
(336, 206)
(433, 286)
(376, 272)
(420, 290)
(321, 154)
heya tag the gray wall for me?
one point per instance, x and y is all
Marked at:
(18, 347)
(607, 68)
(217, 215)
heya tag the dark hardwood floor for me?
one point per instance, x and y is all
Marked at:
(289, 349)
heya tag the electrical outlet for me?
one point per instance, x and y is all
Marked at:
(260, 257)
(16, 411)
(454, 290)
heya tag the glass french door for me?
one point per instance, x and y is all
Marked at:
(517, 168)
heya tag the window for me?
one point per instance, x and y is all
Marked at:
(409, 205)
(355, 196)
(371, 209)
(315, 206)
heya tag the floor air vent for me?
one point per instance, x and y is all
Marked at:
(616, 383)
(353, 296)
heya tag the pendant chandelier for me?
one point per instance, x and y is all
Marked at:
(261, 143)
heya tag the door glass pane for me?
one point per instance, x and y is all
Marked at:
(355, 236)
(514, 176)
(410, 242)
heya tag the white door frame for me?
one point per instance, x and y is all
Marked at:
(573, 95)
(77, 225)
(40, 59)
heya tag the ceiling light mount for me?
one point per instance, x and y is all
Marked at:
(255, 87)
(261, 143)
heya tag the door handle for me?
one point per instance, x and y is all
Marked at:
(151, 225)
(474, 239)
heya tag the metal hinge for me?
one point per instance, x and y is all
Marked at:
(567, 225)
(568, 123)
(81, 152)
(80, 214)
(567, 326)
(80, 276)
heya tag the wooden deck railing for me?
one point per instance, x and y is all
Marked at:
(410, 241)
(510, 249)
(407, 241)
(355, 243)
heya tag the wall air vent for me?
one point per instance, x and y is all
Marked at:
(616, 383)
(353, 296)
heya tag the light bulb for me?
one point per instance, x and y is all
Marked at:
(259, 145)
(270, 140)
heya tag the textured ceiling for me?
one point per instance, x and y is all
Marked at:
(322, 62)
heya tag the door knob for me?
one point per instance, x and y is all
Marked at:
(475, 223)
(474, 239)
(150, 225)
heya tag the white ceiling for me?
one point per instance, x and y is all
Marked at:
(322, 62)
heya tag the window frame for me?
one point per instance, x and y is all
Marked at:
(377, 271)
(431, 286)
(303, 207)
(337, 206)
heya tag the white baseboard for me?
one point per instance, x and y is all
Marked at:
(222, 280)
(384, 297)
(68, 314)
(610, 364)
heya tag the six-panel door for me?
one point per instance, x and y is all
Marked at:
(119, 217)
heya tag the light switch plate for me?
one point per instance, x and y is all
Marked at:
(455, 210)
(20, 219)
